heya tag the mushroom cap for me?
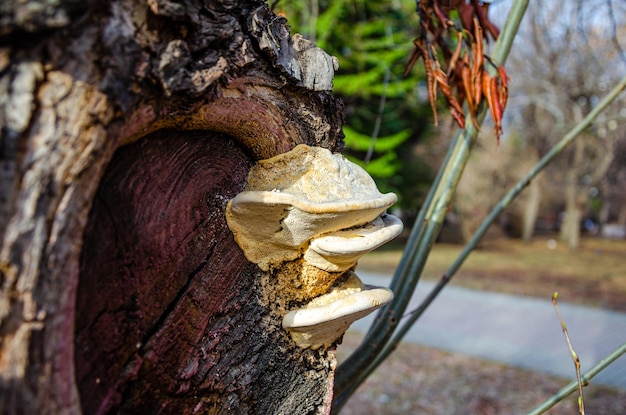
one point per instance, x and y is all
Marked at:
(339, 251)
(291, 198)
(326, 318)
(315, 175)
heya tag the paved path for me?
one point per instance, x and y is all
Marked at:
(519, 331)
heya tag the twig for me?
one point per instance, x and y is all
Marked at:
(581, 404)
(586, 377)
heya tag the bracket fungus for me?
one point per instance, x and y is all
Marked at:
(312, 205)
(325, 318)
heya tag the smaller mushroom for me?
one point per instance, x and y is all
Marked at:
(325, 319)
(340, 251)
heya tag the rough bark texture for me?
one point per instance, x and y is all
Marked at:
(148, 115)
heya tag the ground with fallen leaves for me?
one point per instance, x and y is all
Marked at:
(426, 381)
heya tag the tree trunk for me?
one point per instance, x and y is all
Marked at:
(532, 199)
(570, 228)
(126, 127)
(531, 210)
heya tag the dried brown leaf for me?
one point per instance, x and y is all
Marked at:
(465, 76)
(496, 108)
(446, 90)
(415, 55)
(503, 86)
(457, 53)
(468, 87)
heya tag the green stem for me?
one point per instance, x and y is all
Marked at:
(357, 367)
(573, 386)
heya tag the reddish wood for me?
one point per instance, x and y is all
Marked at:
(166, 299)
(157, 263)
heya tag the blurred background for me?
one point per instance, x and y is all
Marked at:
(566, 56)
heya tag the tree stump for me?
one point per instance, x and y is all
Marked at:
(126, 127)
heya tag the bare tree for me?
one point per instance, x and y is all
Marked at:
(563, 68)
(126, 126)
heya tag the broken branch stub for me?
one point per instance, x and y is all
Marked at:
(312, 205)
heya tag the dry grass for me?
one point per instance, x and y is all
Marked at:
(593, 275)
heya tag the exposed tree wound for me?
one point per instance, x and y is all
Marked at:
(170, 315)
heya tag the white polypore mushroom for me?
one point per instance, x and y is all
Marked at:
(323, 320)
(295, 197)
(339, 251)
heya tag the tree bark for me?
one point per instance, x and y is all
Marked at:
(531, 211)
(532, 200)
(126, 128)
(570, 228)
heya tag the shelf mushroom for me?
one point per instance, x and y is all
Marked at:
(317, 206)
(327, 317)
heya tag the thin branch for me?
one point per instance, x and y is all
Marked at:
(575, 358)
(381, 103)
(614, 38)
(585, 378)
